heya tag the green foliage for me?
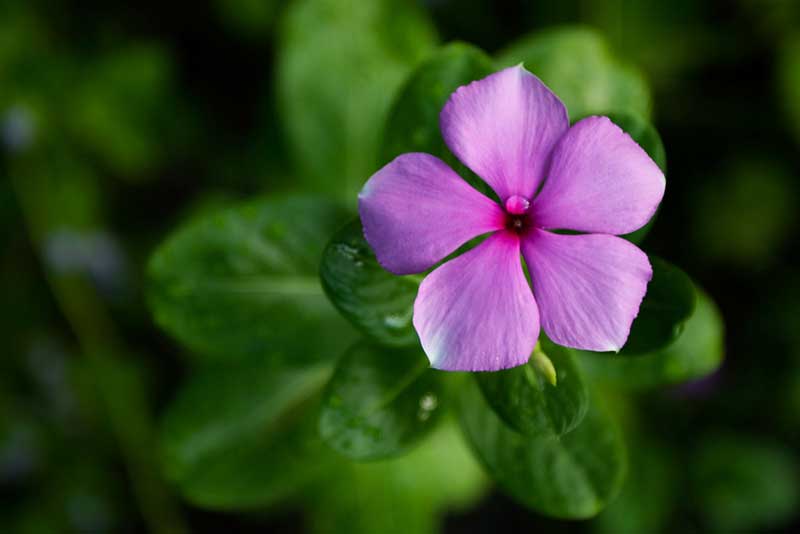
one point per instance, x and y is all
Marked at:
(376, 301)
(648, 495)
(528, 403)
(244, 281)
(573, 476)
(697, 352)
(743, 484)
(745, 214)
(253, 18)
(380, 402)
(413, 123)
(789, 81)
(578, 66)
(340, 64)
(403, 495)
(242, 435)
(124, 109)
(668, 304)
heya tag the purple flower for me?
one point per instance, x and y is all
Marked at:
(477, 311)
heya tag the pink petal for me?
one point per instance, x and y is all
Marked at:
(416, 210)
(589, 287)
(504, 127)
(476, 312)
(600, 181)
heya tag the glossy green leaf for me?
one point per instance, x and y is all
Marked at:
(409, 494)
(576, 63)
(375, 300)
(243, 436)
(379, 402)
(745, 484)
(573, 476)
(340, 65)
(697, 352)
(244, 281)
(413, 123)
(527, 402)
(668, 304)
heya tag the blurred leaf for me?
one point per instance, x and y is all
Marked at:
(67, 189)
(573, 476)
(697, 352)
(126, 109)
(576, 63)
(788, 69)
(745, 214)
(244, 281)
(377, 301)
(339, 66)
(380, 402)
(243, 436)
(406, 495)
(745, 484)
(668, 304)
(646, 499)
(253, 18)
(524, 399)
(413, 123)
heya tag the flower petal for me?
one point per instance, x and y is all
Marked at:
(416, 210)
(599, 181)
(476, 312)
(504, 127)
(589, 287)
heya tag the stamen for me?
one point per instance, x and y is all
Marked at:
(517, 205)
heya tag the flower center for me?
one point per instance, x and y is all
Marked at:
(517, 217)
(517, 205)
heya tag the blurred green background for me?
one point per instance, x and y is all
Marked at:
(119, 120)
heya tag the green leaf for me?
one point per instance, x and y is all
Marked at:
(576, 63)
(527, 402)
(126, 109)
(648, 138)
(697, 352)
(339, 66)
(745, 484)
(243, 436)
(405, 495)
(668, 304)
(244, 281)
(788, 70)
(375, 300)
(573, 476)
(413, 123)
(379, 402)
(645, 503)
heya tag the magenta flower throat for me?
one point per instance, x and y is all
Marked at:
(477, 312)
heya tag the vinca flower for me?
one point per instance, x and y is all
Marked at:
(478, 312)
